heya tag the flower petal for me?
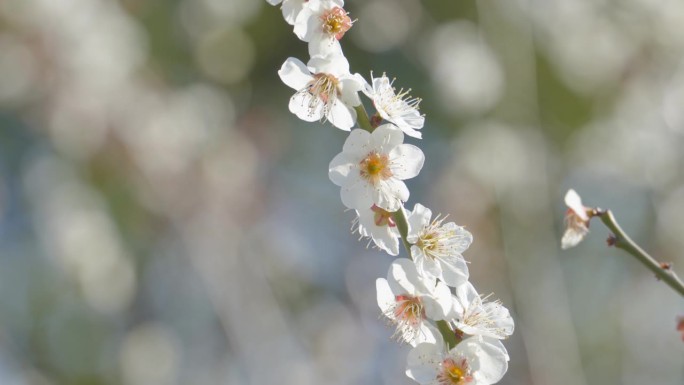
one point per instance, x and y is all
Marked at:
(406, 161)
(386, 137)
(439, 303)
(417, 220)
(385, 297)
(291, 9)
(390, 194)
(425, 265)
(358, 144)
(349, 89)
(403, 278)
(423, 362)
(488, 356)
(357, 194)
(426, 334)
(295, 74)
(454, 270)
(340, 169)
(574, 202)
(341, 115)
(572, 237)
(306, 23)
(306, 106)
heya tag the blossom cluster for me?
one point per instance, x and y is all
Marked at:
(455, 333)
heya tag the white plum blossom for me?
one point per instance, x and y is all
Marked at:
(372, 167)
(396, 107)
(576, 221)
(474, 361)
(379, 225)
(322, 23)
(325, 90)
(408, 300)
(437, 246)
(290, 8)
(473, 315)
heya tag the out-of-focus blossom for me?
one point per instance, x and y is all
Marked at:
(396, 107)
(322, 23)
(437, 247)
(680, 326)
(290, 8)
(378, 224)
(576, 221)
(372, 167)
(474, 361)
(325, 90)
(474, 316)
(408, 300)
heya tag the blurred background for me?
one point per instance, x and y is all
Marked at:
(164, 219)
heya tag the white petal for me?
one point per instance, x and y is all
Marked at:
(385, 297)
(426, 334)
(488, 356)
(414, 120)
(274, 2)
(502, 317)
(387, 137)
(461, 238)
(358, 144)
(306, 107)
(572, 237)
(322, 44)
(349, 89)
(417, 220)
(306, 23)
(408, 130)
(291, 9)
(403, 278)
(390, 194)
(387, 238)
(341, 115)
(425, 265)
(466, 293)
(454, 270)
(438, 304)
(406, 161)
(423, 362)
(357, 194)
(341, 167)
(574, 202)
(295, 74)
(334, 63)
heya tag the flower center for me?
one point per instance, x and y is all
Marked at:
(407, 314)
(323, 87)
(382, 217)
(437, 241)
(336, 22)
(409, 309)
(428, 242)
(454, 373)
(375, 167)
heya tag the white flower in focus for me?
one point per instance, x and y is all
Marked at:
(576, 221)
(325, 90)
(474, 361)
(378, 224)
(372, 167)
(322, 23)
(409, 300)
(437, 247)
(472, 315)
(396, 107)
(290, 8)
